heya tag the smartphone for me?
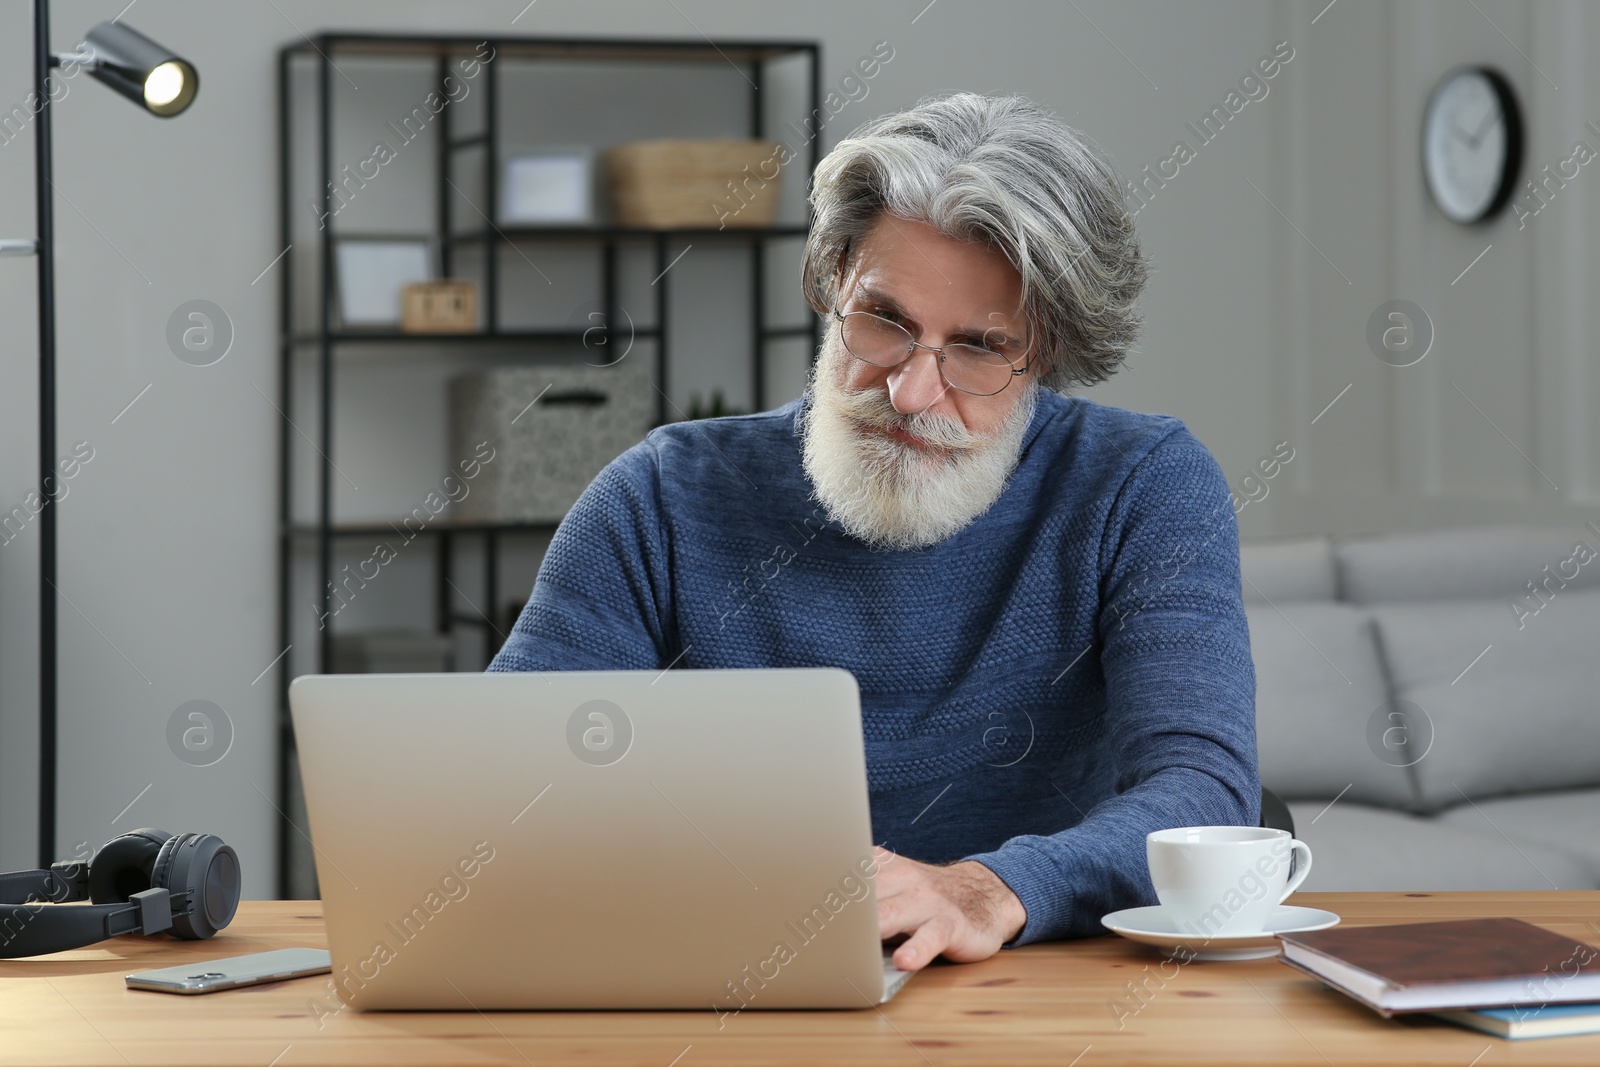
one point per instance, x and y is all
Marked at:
(208, 976)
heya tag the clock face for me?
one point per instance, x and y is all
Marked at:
(1472, 141)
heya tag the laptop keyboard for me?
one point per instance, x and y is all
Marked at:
(893, 977)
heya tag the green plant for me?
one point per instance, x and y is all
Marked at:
(717, 408)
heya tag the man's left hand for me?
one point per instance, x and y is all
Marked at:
(963, 910)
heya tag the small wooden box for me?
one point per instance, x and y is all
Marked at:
(445, 306)
(669, 184)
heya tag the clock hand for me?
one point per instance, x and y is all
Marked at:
(1484, 126)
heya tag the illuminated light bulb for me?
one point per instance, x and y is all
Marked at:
(164, 84)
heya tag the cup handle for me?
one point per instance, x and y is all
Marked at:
(1302, 867)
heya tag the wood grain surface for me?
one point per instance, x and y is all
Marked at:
(1083, 1003)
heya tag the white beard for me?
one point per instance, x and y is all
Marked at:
(891, 494)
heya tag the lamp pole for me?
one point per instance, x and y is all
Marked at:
(163, 84)
(44, 189)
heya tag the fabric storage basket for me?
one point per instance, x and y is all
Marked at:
(548, 450)
(693, 183)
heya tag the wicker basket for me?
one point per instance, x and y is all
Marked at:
(670, 184)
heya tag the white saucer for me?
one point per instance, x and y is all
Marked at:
(1150, 926)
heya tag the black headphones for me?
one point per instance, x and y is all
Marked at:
(144, 882)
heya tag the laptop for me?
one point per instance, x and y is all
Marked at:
(593, 839)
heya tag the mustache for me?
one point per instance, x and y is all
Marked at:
(872, 409)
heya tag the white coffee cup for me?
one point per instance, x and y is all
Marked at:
(1215, 880)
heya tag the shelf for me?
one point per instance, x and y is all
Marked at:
(468, 151)
(624, 233)
(482, 337)
(345, 530)
(379, 337)
(692, 50)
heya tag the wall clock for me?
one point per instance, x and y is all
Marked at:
(1471, 143)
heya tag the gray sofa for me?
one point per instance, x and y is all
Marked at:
(1432, 722)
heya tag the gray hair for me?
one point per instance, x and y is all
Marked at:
(1001, 171)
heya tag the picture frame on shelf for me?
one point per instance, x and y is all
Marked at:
(551, 186)
(372, 271)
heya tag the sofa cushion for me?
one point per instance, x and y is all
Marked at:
(1287, 569)
(1568, 820)
(1319, 682)
(1491, 561)
(1523, 718)
(1360, 849)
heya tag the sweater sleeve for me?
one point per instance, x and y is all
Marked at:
(602, 598)
(1174, 649)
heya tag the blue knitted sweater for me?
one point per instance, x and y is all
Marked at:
(1038, 691)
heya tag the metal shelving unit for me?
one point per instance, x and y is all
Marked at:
(311, 335)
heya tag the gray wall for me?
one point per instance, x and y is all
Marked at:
(1272, 247)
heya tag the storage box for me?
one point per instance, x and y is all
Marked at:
(391, 652)
(444, 306)
(668, 184)
(552, 428)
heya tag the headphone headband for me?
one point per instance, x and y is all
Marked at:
(143, 882)
(33, 930)
(62, 882)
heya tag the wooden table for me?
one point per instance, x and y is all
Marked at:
(1043, 1004)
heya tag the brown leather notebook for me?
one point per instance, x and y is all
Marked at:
(1466, 963)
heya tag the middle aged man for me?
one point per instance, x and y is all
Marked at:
(1038, 595)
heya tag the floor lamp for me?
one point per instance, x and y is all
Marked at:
(164, 85)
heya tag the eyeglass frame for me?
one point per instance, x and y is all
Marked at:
(1016, 372)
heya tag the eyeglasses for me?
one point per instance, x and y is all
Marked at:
(976, 369)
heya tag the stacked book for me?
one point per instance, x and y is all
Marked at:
(1502, 976)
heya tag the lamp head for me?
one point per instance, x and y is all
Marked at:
(140, 69)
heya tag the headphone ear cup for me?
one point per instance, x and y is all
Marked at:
(161, 869)
(124, 865)
(208, 869)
